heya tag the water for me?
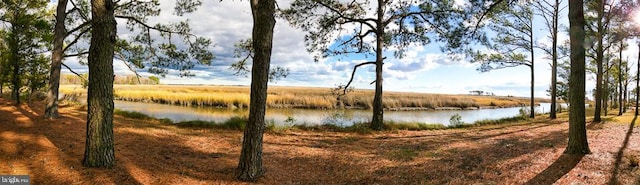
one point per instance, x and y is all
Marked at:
(313, 117)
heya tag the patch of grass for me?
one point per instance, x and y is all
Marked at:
(499, 121)
(403, 154)
(413, 126)
(197, 124)
(547, 143)
(234, 123)
(362, 128)
(132, 114)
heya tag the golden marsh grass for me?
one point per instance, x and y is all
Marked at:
(295, 97)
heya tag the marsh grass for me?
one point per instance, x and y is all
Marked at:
(293, 97)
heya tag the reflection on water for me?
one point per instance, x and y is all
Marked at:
(313, 117)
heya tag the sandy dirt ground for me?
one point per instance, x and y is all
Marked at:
(149, 152)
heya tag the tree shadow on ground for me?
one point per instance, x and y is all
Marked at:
(422, 160)
(620, 153)
(562, 166)
(475, 130)
(145, 153)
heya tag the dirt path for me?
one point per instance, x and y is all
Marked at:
(148, 152)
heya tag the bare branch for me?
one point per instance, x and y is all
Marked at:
(77, 54)
(81, 77)
(353, 74)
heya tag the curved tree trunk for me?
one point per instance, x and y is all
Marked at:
(99, 144)
(250, 165)
(577, 130)
(51, 109)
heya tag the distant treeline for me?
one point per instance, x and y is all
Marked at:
(72, 79)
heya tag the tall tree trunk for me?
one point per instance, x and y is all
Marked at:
(99, 144)
(533, 106)
(51, 109)
(15, 79)
(638, 81)
(554, 61)
(606, 93)
(621, 90)
(599, 60)
(577, 130)
(250, 166)
(15, 63)
(377, 122)
(624, 99)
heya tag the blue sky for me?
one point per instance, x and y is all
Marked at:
(424, 69)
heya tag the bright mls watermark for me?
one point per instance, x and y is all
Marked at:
(15, 180)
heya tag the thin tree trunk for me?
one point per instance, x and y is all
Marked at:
(51, 109)
(577, 130)
(621, 90)
(605, 96)
(533, 106)
(250, 166)
(377, 122)
(638, 81)
(554, 61)
(599, 60)
(624, 99)
(99, 144)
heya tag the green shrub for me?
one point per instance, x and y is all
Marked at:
(456, 121)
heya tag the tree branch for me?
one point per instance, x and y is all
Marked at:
(353, 74)
(75, 40)
(349, 19)
(491, 7)
(149, 26)
(65, 65)
(76, 54)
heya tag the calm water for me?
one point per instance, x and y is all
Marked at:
(312, 117)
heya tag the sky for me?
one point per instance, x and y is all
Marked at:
(423, 69)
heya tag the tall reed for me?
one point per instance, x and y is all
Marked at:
(295, 97)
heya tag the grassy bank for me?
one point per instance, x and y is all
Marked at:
(295, 97)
